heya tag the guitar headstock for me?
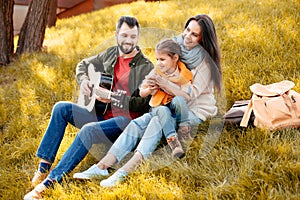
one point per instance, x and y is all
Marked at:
(118, 98)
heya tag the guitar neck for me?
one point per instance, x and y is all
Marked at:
(102, 93)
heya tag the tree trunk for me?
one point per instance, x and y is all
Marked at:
(4, 58)
(6, 31)
(52, 13)
(33, 29)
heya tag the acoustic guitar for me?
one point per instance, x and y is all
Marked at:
(101, 84)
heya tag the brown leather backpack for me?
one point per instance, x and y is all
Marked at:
(275, 106)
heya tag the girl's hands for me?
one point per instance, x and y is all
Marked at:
(156, 81)
(162, 82)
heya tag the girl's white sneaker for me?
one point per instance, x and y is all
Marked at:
(93, 172)
(115, 179)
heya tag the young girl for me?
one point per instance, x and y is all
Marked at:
(169, 68)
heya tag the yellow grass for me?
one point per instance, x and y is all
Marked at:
(259, 40)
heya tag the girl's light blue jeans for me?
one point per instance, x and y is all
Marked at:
(145, 132)
(93, 130)
(175, 114)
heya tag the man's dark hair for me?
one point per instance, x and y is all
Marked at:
(130, 21)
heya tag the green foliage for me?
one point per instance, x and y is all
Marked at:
(259, 42)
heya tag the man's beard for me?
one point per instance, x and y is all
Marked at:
(126, 51)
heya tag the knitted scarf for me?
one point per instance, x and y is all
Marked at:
(192, 58)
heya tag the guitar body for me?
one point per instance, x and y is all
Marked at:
(97, 79)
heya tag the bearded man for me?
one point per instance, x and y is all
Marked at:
(106, 121)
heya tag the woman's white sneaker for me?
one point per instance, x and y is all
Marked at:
(93, 172)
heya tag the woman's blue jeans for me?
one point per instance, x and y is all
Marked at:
(93, 130)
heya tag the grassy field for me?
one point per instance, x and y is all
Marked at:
(260, 43)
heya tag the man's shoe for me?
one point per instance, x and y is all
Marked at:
(177, 150)
(38, 178)
(93, 172)
(115, 179)
(36, 193)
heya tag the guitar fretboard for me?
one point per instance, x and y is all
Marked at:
(103, 93)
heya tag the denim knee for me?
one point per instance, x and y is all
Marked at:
(181, 109)
(63, 108)
(91, 133)
(179, 101)
(61, 105)
(166, 120)
(86, 135)
(163, 112)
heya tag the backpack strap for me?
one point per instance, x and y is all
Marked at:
(289, 103)
(247, 114)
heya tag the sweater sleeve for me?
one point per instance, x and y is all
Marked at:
(187, 88)
(201, 79)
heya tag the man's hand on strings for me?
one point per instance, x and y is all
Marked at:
(103, 95)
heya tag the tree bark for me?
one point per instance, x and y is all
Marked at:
(4, 59)
(6, 31)
(52, 13)
(33, 29)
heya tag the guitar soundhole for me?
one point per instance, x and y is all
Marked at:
(105, 81)
(91, 88)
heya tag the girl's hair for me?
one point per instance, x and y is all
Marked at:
(210, 43)
(168, 46)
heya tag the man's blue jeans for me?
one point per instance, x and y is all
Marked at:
(93, 130)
